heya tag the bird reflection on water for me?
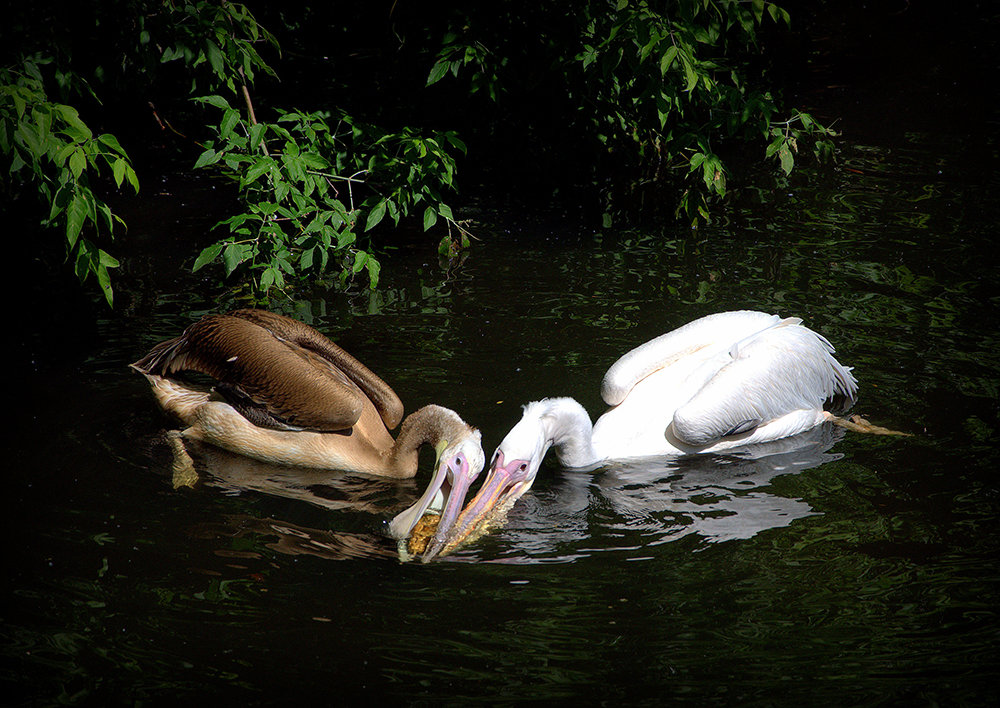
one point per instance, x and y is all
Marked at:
(296, 540)
(628, 505)
(622, 507)
(376, 497)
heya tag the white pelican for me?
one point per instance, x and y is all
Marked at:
(726, 380)
(287, 395)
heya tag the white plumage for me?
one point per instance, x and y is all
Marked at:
(725, 380)
(720, 382)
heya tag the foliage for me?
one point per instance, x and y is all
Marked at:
(222, 36)
(624, 97)
(52, 151)
(124, 42)
(661, 86)
(310, 188)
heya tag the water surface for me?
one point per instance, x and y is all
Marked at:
(836, 568)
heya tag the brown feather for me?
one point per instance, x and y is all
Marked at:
(279, 372)
(287, 395)
(378, 391)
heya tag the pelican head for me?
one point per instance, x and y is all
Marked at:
(512, 472)
(459, 461)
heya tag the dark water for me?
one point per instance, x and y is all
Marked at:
(833, 569)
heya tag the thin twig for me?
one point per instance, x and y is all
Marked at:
(250, 111)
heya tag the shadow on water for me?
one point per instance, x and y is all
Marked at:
(622, 508)
(627, 508)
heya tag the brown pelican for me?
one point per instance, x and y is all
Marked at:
(723, 381)
(287, 395)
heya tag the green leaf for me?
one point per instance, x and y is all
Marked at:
(667, 59)
(786, 158)
(232, 256)
(457, 143)
(107, 260)
(84, 263)
(76, 214)
(112, 142)
(258, 168)
(360, 259)
(306, 260)
(314, 161)
(206, 256)
(374, 269)
(17, 163)
(217, 101)
(823, 149)
(75, 127)
(19, 105)
(649, 46)
(281, 189)
(59, 202)
(209, 157)
(437, 72)
(267, 279)
(285, 266)
(118, 170)
(696, 161)
(29, 138)
(60, 157)
(345, 239)
(256, 134)
(375, 216)
(104, 280)
(170, 53)
(132, 178)
(689, 73)
(104, 214)
(778, 14)
(229, 121)
(77, 163)
(215, 57)
(430, 218)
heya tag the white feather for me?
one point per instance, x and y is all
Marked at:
(722, 381)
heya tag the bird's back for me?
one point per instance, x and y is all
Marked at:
(277, 371)
(730, 372)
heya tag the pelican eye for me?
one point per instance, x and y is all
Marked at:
(523, 467)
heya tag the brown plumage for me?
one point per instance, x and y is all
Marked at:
(277, 371)
(288, 395)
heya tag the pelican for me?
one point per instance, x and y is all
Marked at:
(287, 395)
(723, 381)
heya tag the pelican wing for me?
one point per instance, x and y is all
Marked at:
(697, 340)
(273, 380)
(385, 400)
(781, 369)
